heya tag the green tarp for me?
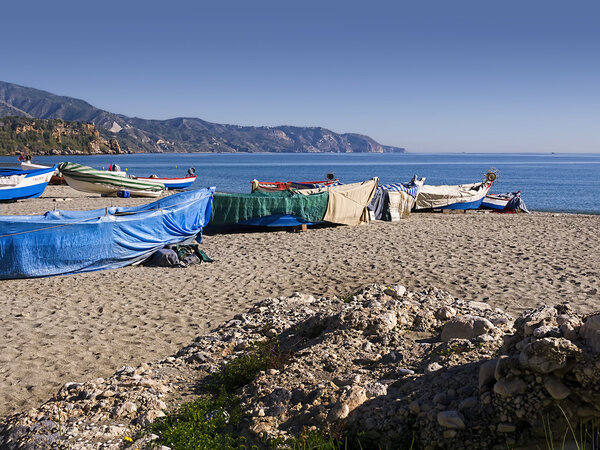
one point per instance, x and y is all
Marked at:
(230, 209)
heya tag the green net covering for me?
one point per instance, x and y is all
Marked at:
(230, 209)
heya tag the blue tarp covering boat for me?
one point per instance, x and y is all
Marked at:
(66, 242)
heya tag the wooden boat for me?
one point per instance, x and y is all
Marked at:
(16, 184)
(56, 179)
(172, 183)
(496, 201)
(65, 242)
(462, 196)
(87, 179)
(274, 186)
(509, 202)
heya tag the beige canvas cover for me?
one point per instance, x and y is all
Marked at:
(347, 203)
(400, 204)
(438, 196)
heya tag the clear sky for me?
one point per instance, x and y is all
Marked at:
(428, 75)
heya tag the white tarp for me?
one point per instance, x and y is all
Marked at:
(347, 203)
(439, 196)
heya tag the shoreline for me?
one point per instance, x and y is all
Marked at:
(71, 328)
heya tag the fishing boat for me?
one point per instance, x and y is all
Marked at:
(56, 179)
(16, 184)
(274, 186)
(171, 183)
(107, 183)
(508, 202)
(66, 242)
(461, 197)
(394, 201)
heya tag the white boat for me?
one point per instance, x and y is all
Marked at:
(16, 184)
(462, 196)
(87, 179)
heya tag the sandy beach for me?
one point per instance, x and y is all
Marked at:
(73, 328)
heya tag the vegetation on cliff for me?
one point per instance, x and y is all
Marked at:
(51, 136)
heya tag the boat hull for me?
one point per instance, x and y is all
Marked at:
(460, 197)
(31, 186)
(494, 202)
(172, 183)
(90, 180)
(107, 190)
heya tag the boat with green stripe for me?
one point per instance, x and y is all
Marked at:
(88, 179)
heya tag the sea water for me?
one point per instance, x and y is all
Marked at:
(548, 182)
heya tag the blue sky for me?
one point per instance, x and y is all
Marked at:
(431, 76)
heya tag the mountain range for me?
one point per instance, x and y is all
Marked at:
(181, 134)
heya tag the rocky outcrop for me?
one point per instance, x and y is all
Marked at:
(393, 364)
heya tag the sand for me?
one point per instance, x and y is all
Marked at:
(78, 327)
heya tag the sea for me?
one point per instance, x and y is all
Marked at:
(557, 182)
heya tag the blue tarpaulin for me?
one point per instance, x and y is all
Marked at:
(66, 242)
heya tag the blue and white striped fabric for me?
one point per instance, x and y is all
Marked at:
(411, 189)
(320, 185)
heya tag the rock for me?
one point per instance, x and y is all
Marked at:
(414, 407)
(486, 372)
(356, 397)
(433, 367)
(396, 291)
(507, 387)
(548, 354)
(530, 320)
(124, 410)
(382, 323)
(506, 427)
(546, 331)
(403, 372)
(466, 327)
(449, 434)
(340, 411)
(568, 331)
(590, 331)
(445, 313)
(147, 418)
(556, 388)
(451, 419)
(376, 390)
(468, 403)
(505, 365)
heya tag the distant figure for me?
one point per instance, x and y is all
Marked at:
(114, 168)
(191, 172)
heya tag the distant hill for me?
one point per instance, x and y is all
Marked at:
(180, 134)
